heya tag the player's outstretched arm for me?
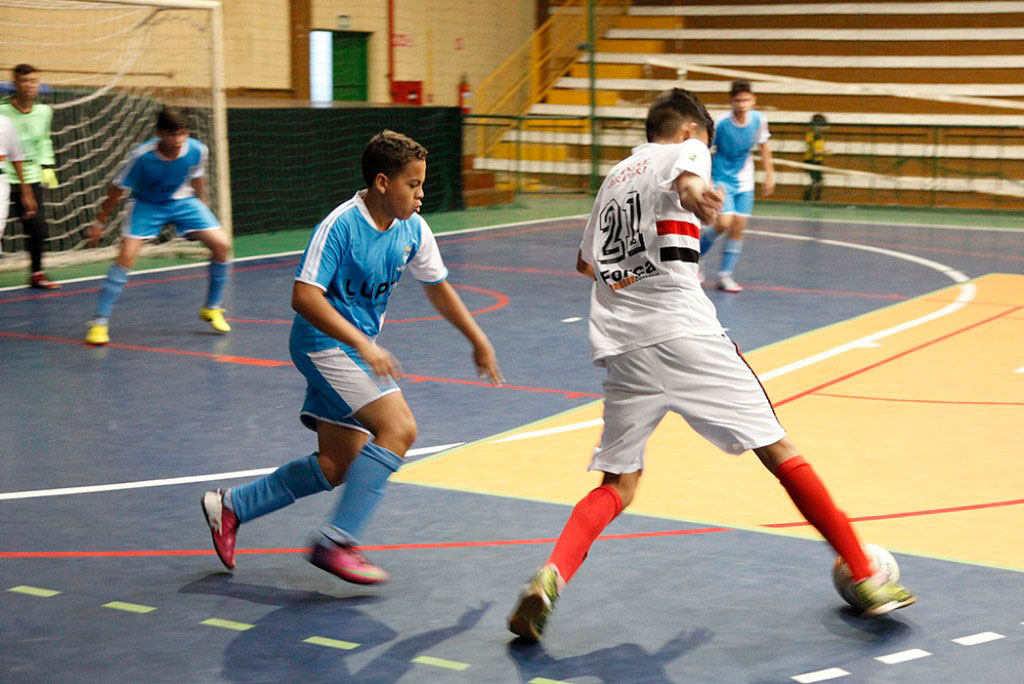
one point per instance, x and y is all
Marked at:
(114, 195)
(769, 169)
(448, 303)
(309, 302)
(698, 197)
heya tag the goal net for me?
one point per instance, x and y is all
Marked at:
(107, 68)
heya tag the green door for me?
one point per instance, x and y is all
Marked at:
(350, 65)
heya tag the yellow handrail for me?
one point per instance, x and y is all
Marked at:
(532, 70)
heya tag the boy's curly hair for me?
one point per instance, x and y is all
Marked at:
(387, 152)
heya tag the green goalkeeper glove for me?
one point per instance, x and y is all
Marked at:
(50, 178)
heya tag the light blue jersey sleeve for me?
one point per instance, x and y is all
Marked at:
(128, 177)
(322, 257)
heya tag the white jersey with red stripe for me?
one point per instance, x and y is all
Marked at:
(644, 247)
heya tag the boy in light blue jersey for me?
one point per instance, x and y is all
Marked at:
(364, 427)
(166, 179)
(737, 134)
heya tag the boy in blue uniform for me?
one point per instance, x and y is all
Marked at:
(166, 178)
(732, 170)
(354, 259)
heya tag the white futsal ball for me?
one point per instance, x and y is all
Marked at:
(881, 559)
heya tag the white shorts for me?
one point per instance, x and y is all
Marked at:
(5, 201)
(703, 378)
(338, 384)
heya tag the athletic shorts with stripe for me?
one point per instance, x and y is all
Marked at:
(739, 203)
(188, 215)
(338, 383)
(702, 378)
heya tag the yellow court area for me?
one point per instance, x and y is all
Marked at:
(912, 415)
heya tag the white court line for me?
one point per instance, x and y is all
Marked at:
(551, 431)
(903, 656)
(967, 294)
(88, 489)
(821, 675)
(572, 319)
(979, 638)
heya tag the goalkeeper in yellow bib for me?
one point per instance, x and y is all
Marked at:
(166, 179)
(31, 122)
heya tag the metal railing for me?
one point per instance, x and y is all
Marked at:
(936, 166)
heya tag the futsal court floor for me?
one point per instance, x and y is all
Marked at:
(893, 355)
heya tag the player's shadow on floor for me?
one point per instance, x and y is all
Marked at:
(273, 649)
(887, 629)
(627, 663)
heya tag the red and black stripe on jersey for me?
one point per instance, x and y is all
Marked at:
(676, 252)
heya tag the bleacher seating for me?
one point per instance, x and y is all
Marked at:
(930, 92)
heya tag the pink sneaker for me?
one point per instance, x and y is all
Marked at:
(346, 562)
(223, 526)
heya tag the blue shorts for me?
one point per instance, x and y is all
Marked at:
(740, 203)
(338, 383)
(145, 219)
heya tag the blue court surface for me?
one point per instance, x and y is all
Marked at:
(120, 584)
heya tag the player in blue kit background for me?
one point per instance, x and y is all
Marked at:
(166, 179)
(364, 427)
(737, 134)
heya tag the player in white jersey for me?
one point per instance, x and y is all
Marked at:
(656, 333)
(364, 427)
(737, 134)
(10, 151)
(166, 177)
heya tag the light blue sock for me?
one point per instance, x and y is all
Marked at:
(707, 239)
(730, 255)
(291, 481)
(110, 291)
(364, 487)
(218, 279)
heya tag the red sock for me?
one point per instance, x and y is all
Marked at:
(811, 497)
(591, 515)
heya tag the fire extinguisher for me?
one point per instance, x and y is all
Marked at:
(465, 95)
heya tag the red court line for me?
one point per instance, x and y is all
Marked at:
(831, 293)
(223, 358)
(502, 301)
(261, 321)
(912, 514)
(872, 366)
(764, 288)
(515, 269)
(149, 281)
(923, 401)
(380, 547)
(495, 542)
(949, 250)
